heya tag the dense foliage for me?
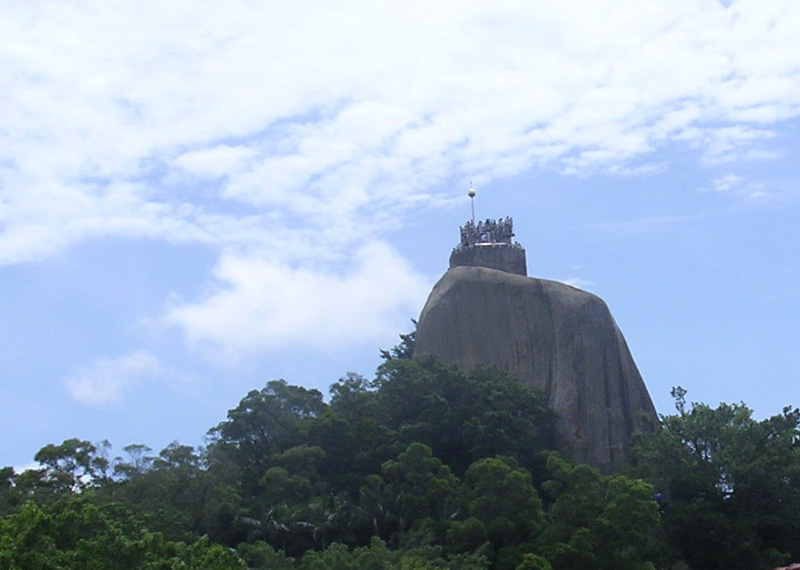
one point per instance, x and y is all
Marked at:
(730, 485)
(421, 467)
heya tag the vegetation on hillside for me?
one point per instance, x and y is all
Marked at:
(421, 467)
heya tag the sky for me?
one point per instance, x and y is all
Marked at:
(199, 197)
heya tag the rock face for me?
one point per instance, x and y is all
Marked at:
(493, 255)
(547, 334)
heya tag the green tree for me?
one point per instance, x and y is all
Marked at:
(426, 488)
(75, 534)
(139, 462)
(605, 522)
(266, 422)
(501, 497)
(405, 348)
(730, 484)
(463, 418)
(74, 464)
(354, 434)
(414, 500)
(260, 555)
(534, 562)
(10, 498)
(294, 511)
(176, 493)
(378, 556)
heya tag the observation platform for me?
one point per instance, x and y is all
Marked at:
(488, 244)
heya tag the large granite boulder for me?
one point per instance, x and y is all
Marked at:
(547, 334)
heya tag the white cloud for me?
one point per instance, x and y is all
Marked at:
(231, 124)
(730, 143)
(104, 380)
(266, 303)
(757, 192)
(305, 106)
(579, 282)
(725, 183)
(215, 162)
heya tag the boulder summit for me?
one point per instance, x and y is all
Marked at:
(486, 311)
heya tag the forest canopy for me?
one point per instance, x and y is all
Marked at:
(422, 466)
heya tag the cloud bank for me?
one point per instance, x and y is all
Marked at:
(104, 380)
(230, 124)
(261, 303)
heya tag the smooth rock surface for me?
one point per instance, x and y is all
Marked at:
(504, 257)
(547, 334)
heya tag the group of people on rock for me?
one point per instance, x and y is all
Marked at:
(489, 231)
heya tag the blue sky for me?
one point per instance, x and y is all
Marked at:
(198, 197)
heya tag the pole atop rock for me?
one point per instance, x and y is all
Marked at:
(471, 195)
